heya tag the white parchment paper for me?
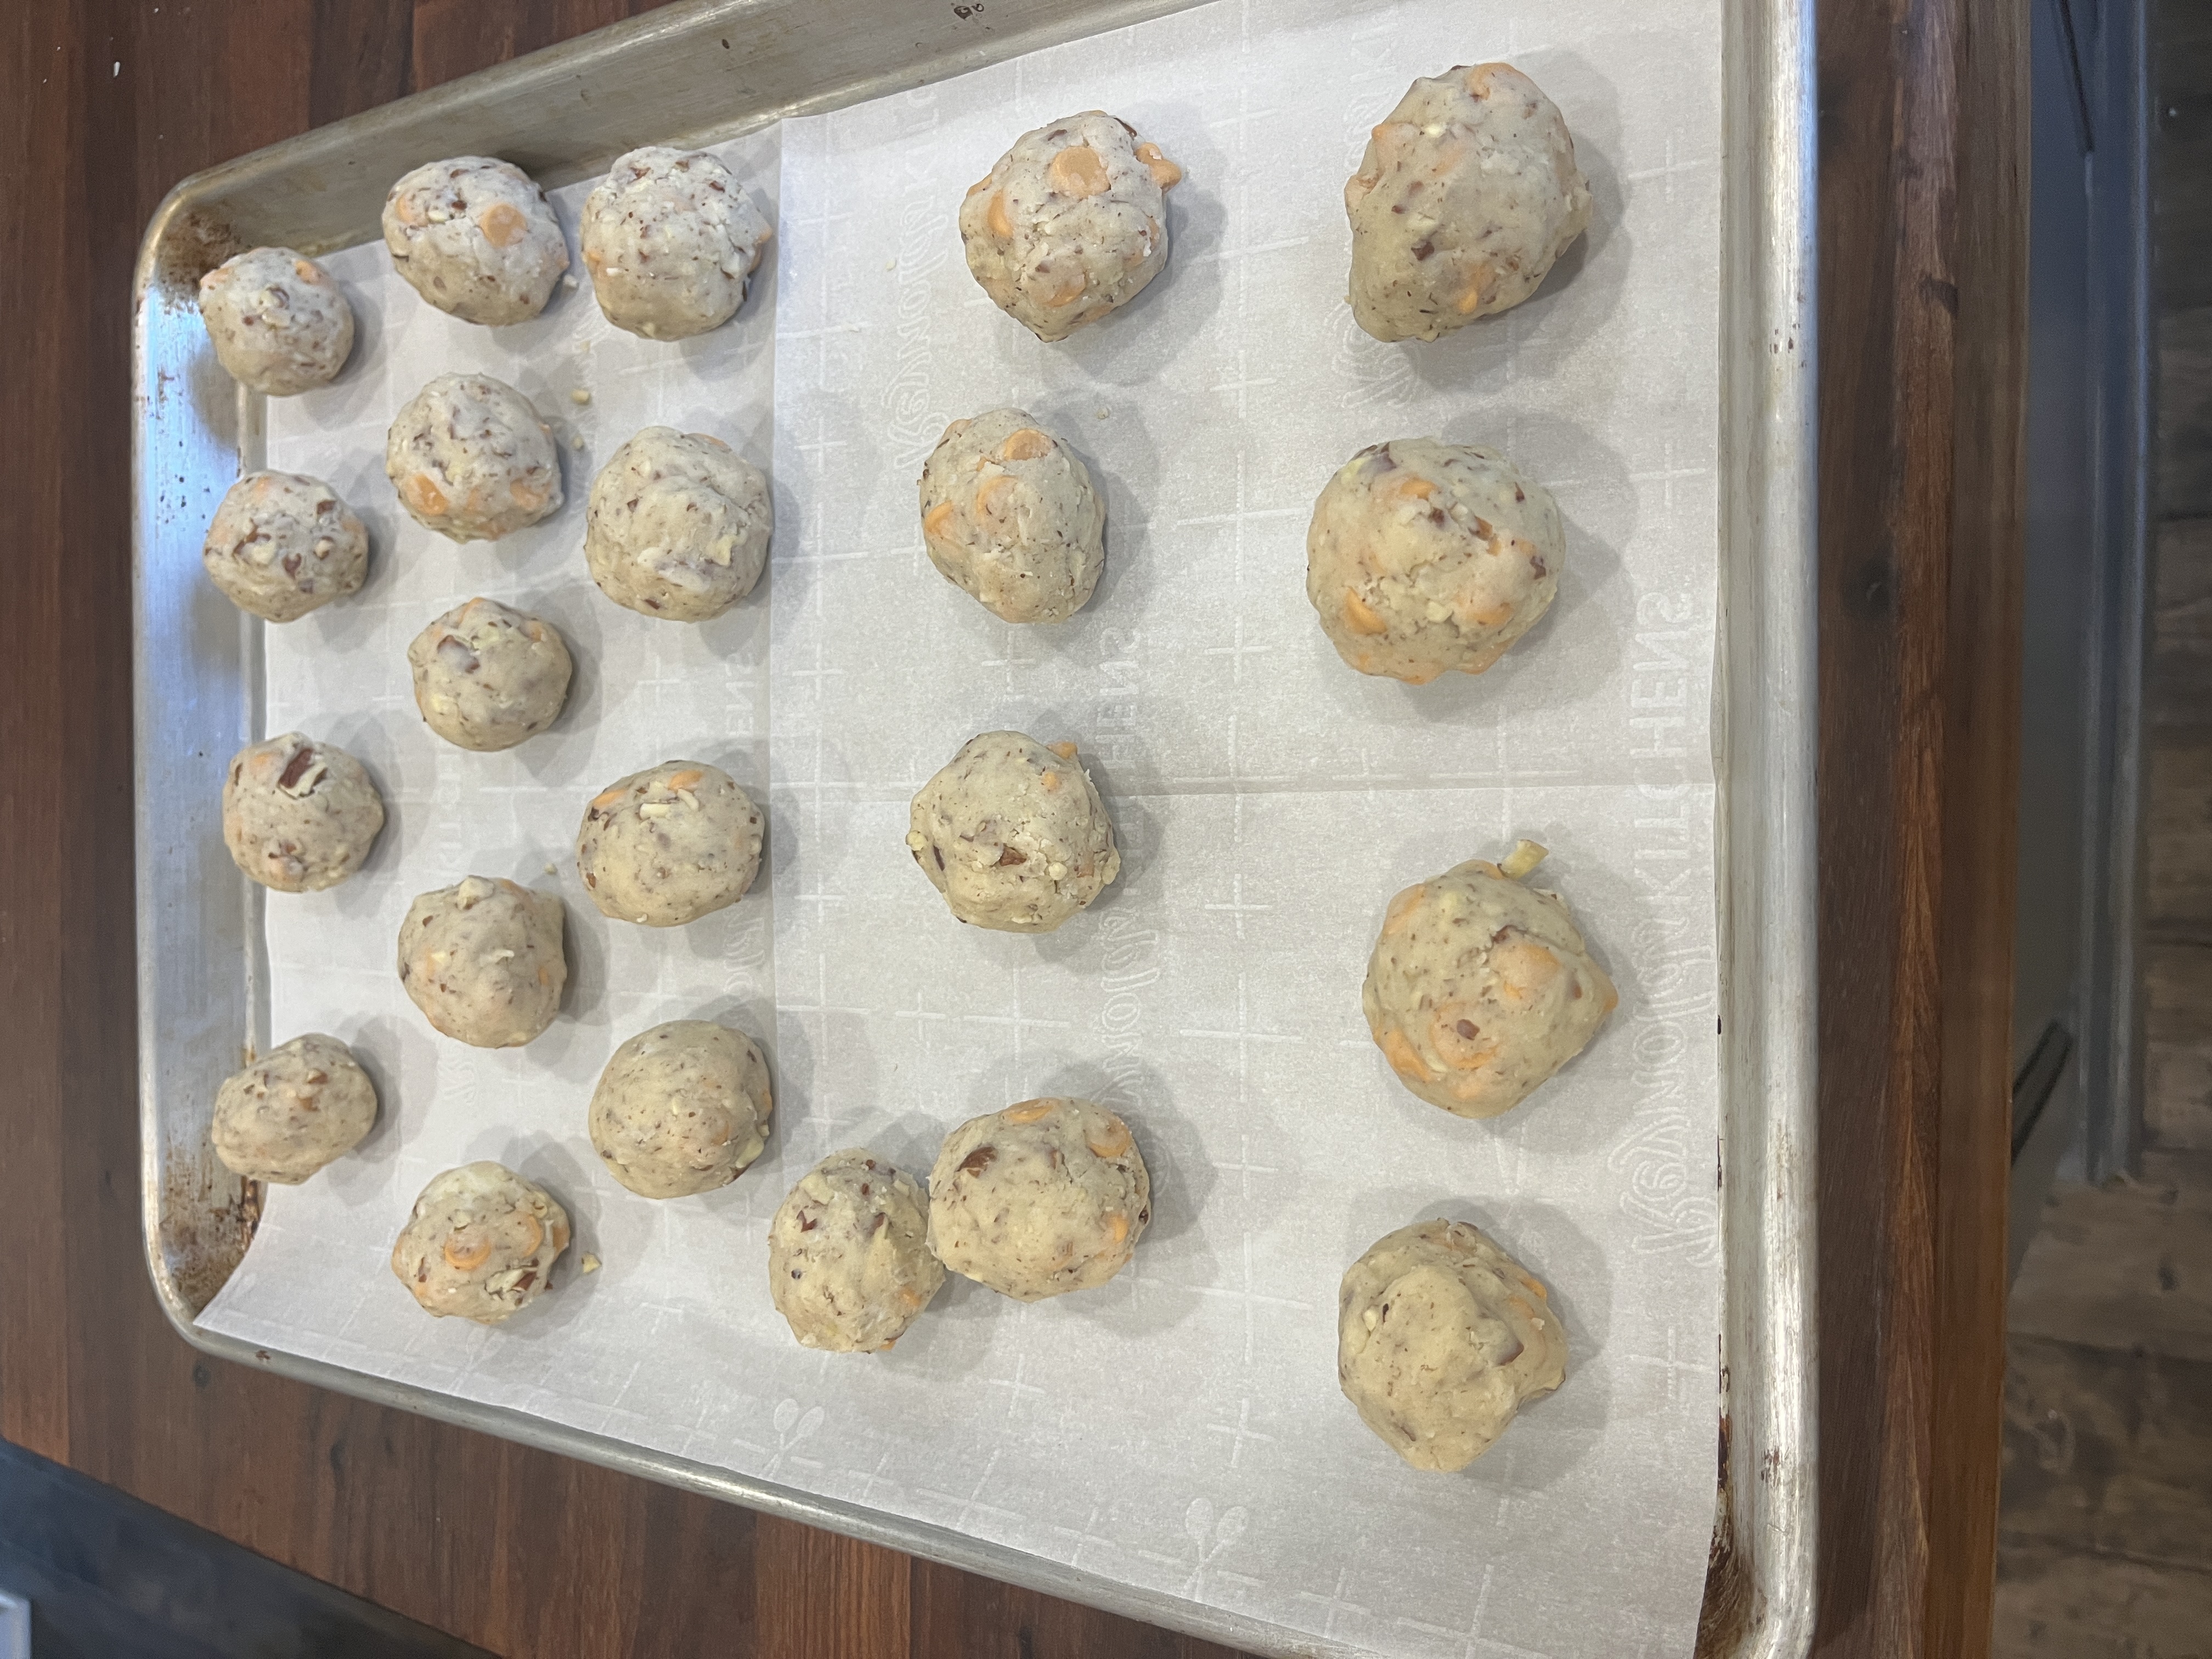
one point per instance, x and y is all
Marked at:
(1181, 1429)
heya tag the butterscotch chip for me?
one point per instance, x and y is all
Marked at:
(1424, 557)
(849, 1265)
(282, 544)
(1014, 834)
(299, 815)
(1045, 1197)
(1071, 224)
(669, 844)
(484, 961)
(480, 1244)
(278, 322)
(1467, 194)
(471, 460)
(476, 237)
(1442, 1339)
(1480, 987)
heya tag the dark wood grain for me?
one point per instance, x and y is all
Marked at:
(1922, 325)
(524, 1552)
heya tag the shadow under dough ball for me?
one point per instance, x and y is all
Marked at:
(484, 961)
(472, 461)
(681, 1109)
(668, 844)
(475, 237)
(480, 1244)
(1479, 987)
(678, 525)
(1071, 224)
(1442, 1338)
(301, 1106)
(849, 1266)
(282, 544)
(278, 324)
(1014, 834)
(670, 239)
(1467, 194)
(487, 678)
(1424, 558)
(299, 815)
(1045, 1197)
(1010, 517)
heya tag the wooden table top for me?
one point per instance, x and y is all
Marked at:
(107, 103)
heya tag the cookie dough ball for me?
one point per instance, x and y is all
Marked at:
(849, 1261)
(299, 815)
(1045, 1197)
(1009, 515)
(1441, 1337)
(1480, 987)
(681, 1109)
(278, 322)
(1424, 556)
(482, 960)
(1013, 833)
(487, 677)
(472, 461)
(1467, 195)
(481, 1243)
(677, 526)
(282, 544)
(474, 237)
(1071, 224)
(667, 845)
(670, 239)
(297, 1107)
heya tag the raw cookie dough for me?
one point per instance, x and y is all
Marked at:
(666, 846)
(278, 322)
(1479, 987)
(296, 1109)
(1441, 1338)
(281, 543)
(472, 461)
(486, 677)
(848, 1259)
(1070, 223)
(1013, 833)
(1009, 515)
(1425, 556)
(1466, 196)
(299, 815)
(474, 237)
(670, 238)
(678, 525)
(482, 960)
(1045, 1197)
(481, 1243)
(681, 1109)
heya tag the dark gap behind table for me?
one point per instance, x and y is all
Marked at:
(110, 1577)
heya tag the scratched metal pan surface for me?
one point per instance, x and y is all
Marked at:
(700, 72)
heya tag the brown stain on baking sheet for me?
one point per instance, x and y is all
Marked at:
(208, 1219)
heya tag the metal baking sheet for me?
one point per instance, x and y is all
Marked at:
(197, 1222)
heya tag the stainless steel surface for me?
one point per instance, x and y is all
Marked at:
(702, 71)
(2112, 1063)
